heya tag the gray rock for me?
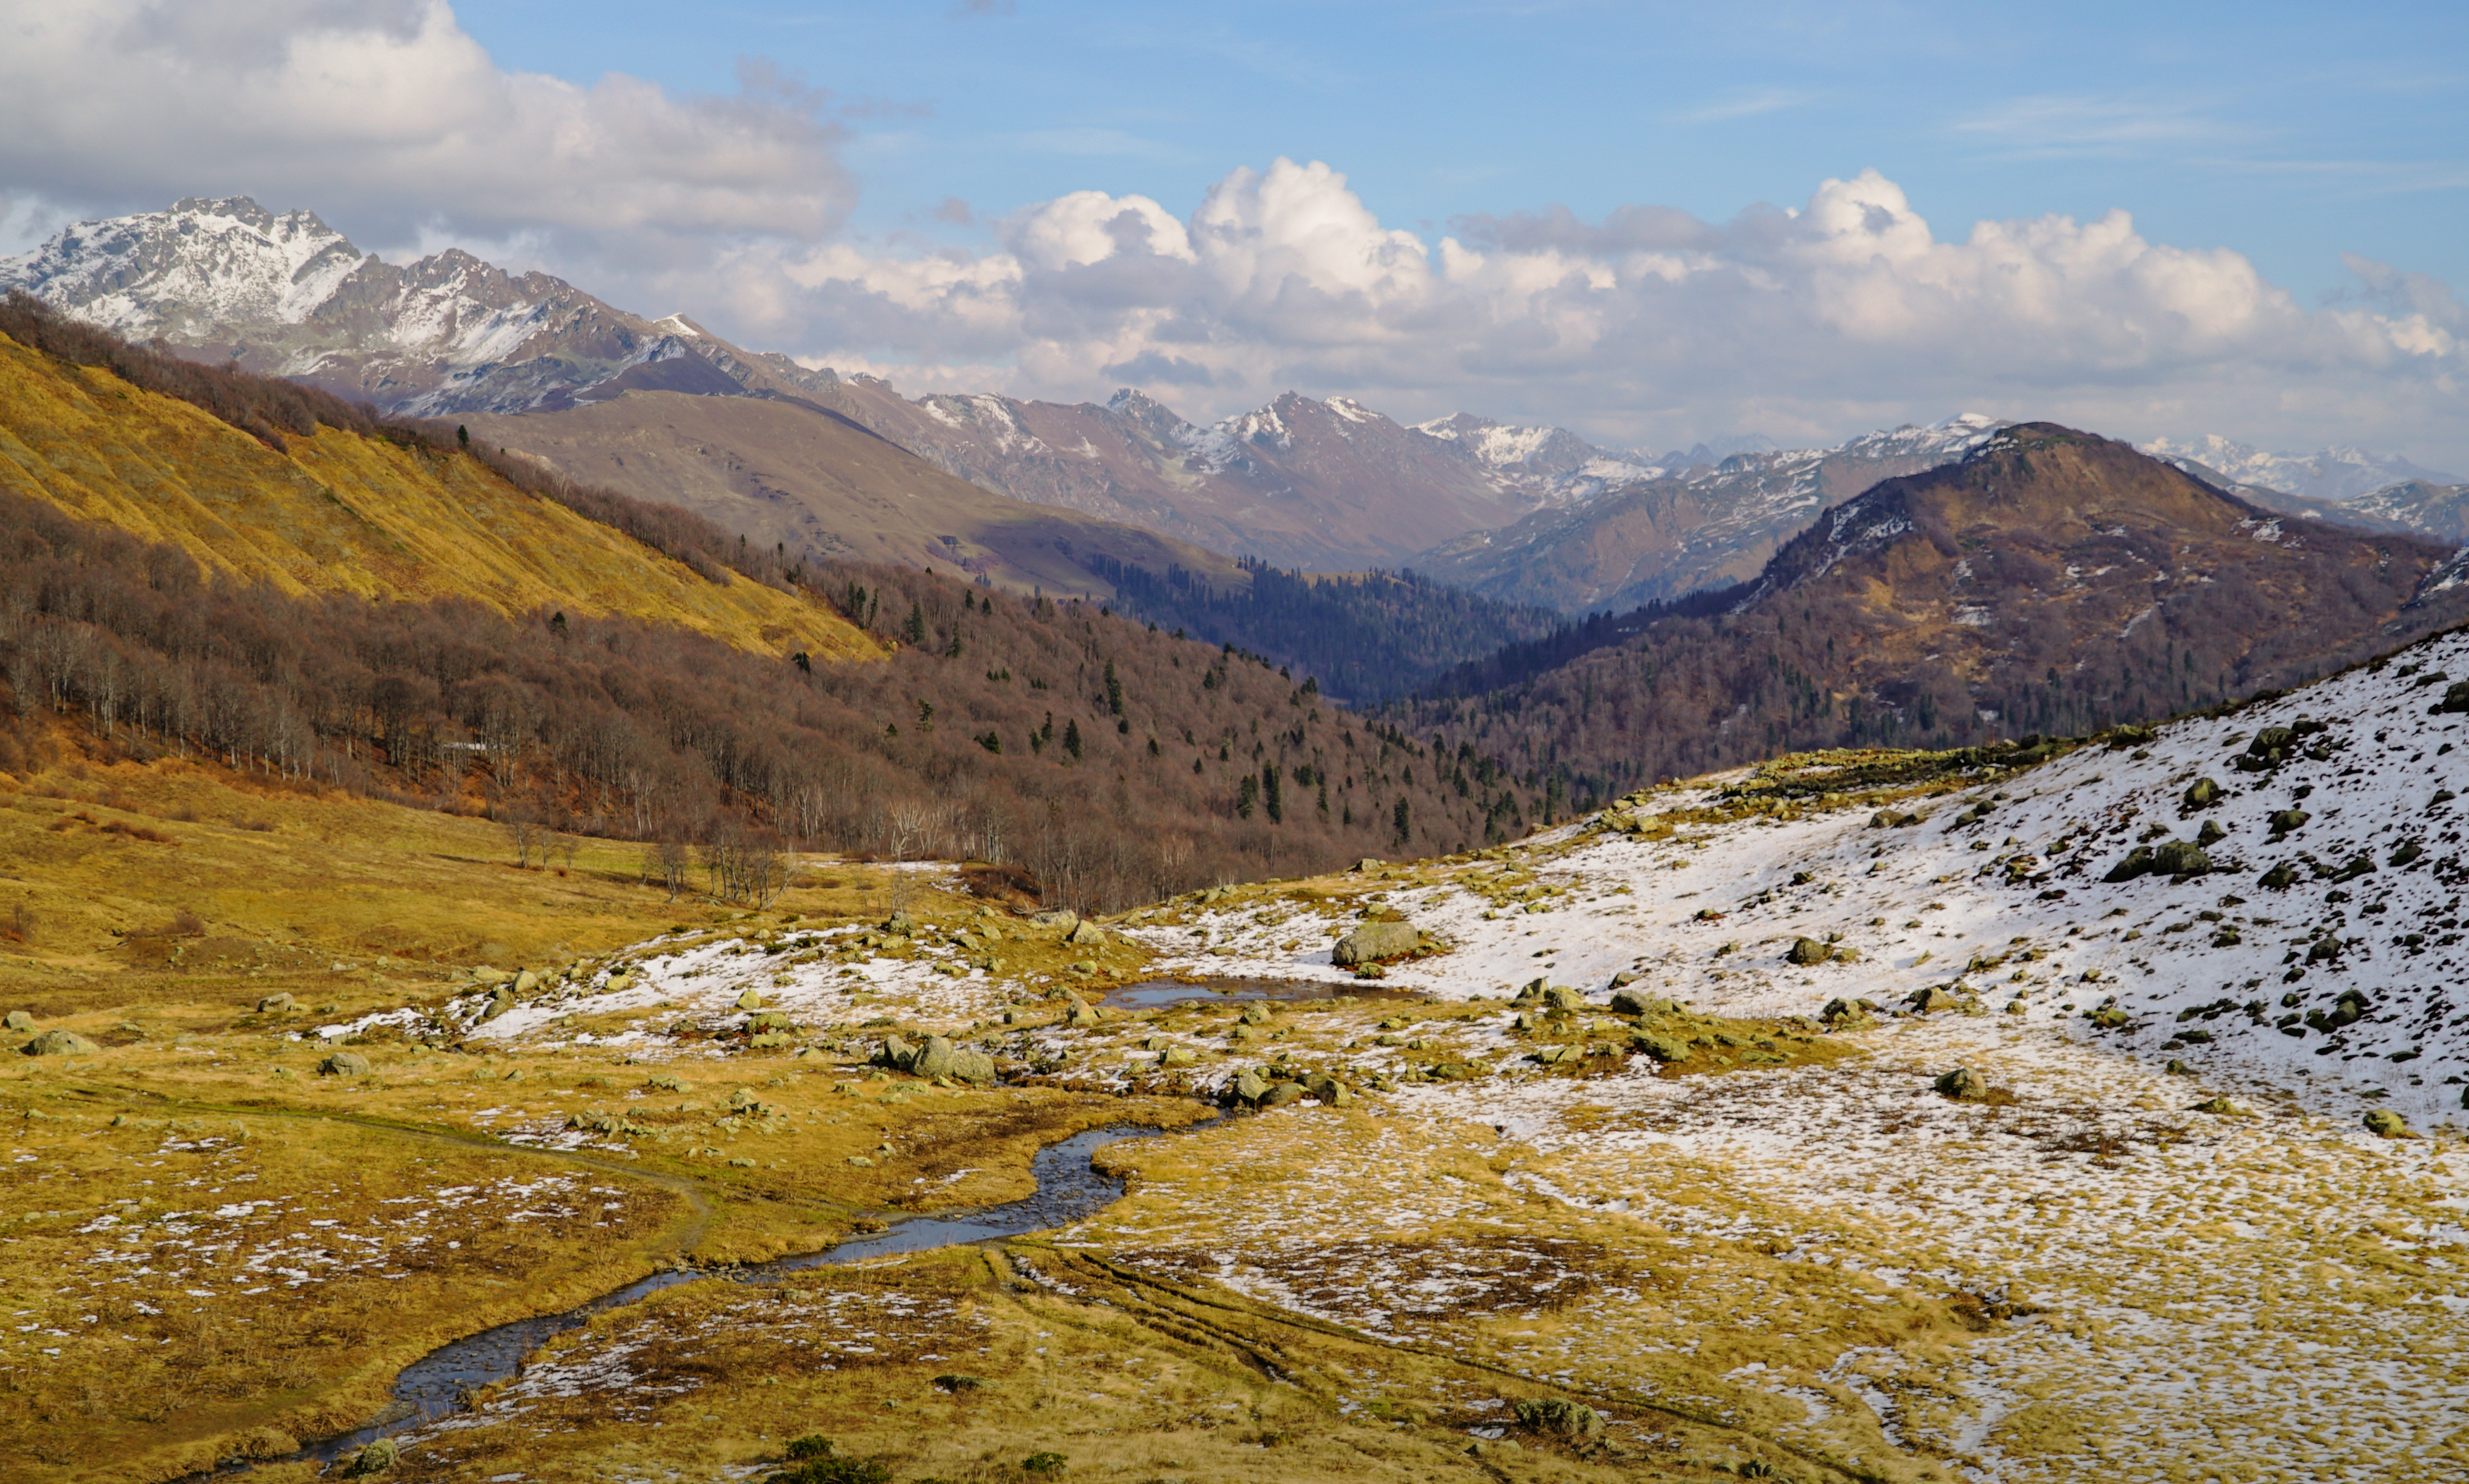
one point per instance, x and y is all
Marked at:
(1662, 1048)
(60, 1043)
(2385, 1124)
(667, 1081)
(933, 1058)
(1330, 1092)
(484, 975)
(1559, 1417)
(1257, 1012)
(2202, 793)
(1086, 934)
(1560, 997)
(751, 999)
(1626, 977)
(526, 982)
(1809, 950)
(275, 1002)
(378, 1457)
(2217, 1107)
(1060, 917)
(1084, 1016)
(1933, 998)
(344, 1063)
(1375, 942)
(19, 1021)
(1250, 1087)
(1962, 1084)
(1179, 1056)
(1370, 863)
(1636, 1002)
(1842, 1013)
(1281, 1094)
(896, 1054)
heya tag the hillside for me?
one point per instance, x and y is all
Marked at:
(789, 473)
(1671, 530)
(338, 510)
(2051, 581)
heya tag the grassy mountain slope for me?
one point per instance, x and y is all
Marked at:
(2052, 582)
(783, 471)
(342, 512)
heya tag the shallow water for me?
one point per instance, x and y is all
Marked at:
(1151, 993)
(1069, 1189)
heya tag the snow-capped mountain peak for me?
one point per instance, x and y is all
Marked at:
(2340, 472)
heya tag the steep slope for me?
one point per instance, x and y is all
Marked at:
(2436, 510)
(342, 512)
(1668, 529)
(2052, 582)
(789, 473)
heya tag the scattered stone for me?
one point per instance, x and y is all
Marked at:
(344, 1063)
(1257, 1012)
(1631, 1003)
(762, 1020)
(1560, 997)
(1962, 1084)
(269, 1004)
(526, 981)
(1179, 1056)
(751, 999)
(19, 1021)
(1329, 1091)
(1374, 942)
(2455, 698)
(1809, 950)
(1559, 1417)
(1058, 917)
(1083, 1016)
(1281, 1094)
(60, 1043)
(1933, 998)
(668, 1081)
(1250, 1087)
(1662, 1048)
(2385, 1124)
(1846, 1014)
(1085, 934)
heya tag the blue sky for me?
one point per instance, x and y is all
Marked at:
(1651, 223)
(2291, 133)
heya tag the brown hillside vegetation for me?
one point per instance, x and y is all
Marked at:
(335, 510)
(1115, 762)
(791, 473)
(2053, 581)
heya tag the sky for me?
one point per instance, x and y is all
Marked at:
(1653, 223)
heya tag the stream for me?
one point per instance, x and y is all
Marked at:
(1069, 1189)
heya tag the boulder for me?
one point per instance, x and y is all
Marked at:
(1842, 1013)
(896, 1054)
(933, 1058)
(1257, 1012)
(2179, 858)
(1368, 863)
(484, 975)
(620, 983)
(1281, 1094)
(1250, 1088)
(1083, 1016)
(667, 1081)
(344, 1063)
(499, 1002)
(22, 1023)
(1934, 999)
(526, 981)
(1086, 934)
(2385, 1124)
(2220, 1107)
(2455, 698)
(1060, 917)
(1809, 950)
(1662, 1048)
(1179, 1056)
(1560, 997)
(1634, 1002)
(1625, 977)
(60, 1043)
(1325, 1087)
(1962, 1084)
(751, 999)
(2202, 794)
(378, 1457)
(762, 1020)
(1374, 942)
(1559, 1417)
(270, 1004)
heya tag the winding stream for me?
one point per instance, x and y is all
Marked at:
(1069, 1189)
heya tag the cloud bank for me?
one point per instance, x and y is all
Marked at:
(386, 114)
(1649, 325)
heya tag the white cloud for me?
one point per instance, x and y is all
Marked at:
(1650, 326)
(387, 115)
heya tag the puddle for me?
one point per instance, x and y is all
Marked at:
(1152, 994)
(1069, 1189)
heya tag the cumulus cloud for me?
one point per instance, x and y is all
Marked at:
(387, 115)
(1649, 326)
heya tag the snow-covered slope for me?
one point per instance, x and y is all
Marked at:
(2338, 473)
(1670, 529)
(2241, 977)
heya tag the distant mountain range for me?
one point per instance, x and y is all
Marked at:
(1522, 514)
